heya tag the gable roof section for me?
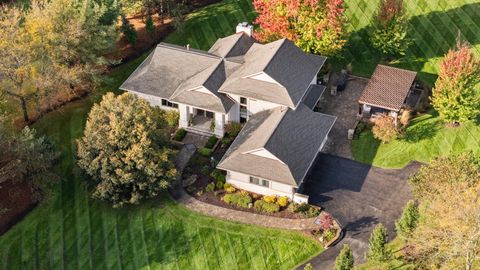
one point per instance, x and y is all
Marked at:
(169, 71)
(232, 46)
(292, 136)
(283, 62)
(388, 88)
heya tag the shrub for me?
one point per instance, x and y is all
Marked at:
(172, 117)
(204, 151)
(233, 128)
(305, 209)
(226, 140)
(270, 198)
(282, 201)
(344, 260)
(308, 266)
(263, 206)
(328, 235)
(205, 169)
(220, 185)
(180, 134)
(326, 221)
(385, 129)
(210, 187)
(238, 199)
(211, 142)
(377, 251)
(128, 31)
(229, 188)
(408, 221)
(150, 26)
(312, 212)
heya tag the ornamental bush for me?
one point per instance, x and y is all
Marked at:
(344, 260)
(270, 198)
(210, 187)
(238, 199)
(384, 128)
(282, 201)
(377, 251)
(263, 206)
(229, 188)
(205, 151)
(180, 134)
(211, 142)
(233, 128)
(125, 150)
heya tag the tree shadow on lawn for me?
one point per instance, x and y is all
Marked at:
(433, 34)
(422, 130)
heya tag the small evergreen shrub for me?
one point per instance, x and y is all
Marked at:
(220, 185)
(180, 134)
(344, 260)
(408, 221)
(210, 187)
(263, 206)
(305, 209)
(205, 151)
(226, 141)
(205, 169)
(211, 142)
(129, 31)
(270, 198)
(282, 201)
(229, 188)
(150, 26)
(378, 251)
(238, 199)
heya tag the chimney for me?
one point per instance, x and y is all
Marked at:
(245, 28)
(188, 47)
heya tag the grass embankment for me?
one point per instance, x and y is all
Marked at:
(425, 138)
(71, 231)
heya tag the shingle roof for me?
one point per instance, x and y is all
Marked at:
(282, 61)
(388, 88)
(314, 93)
(232, 46)
(293, 136)
(168, 73)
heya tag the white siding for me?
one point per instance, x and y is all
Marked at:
(255, 106)
(219, 124)
(242, 181)
(263, 77)
(184, 115)
(153, 100)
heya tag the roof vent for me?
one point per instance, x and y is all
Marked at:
(245, 28)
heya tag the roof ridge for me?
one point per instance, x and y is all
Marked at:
(286, 108)
(402, 69)
(275, 53)
(183, 49)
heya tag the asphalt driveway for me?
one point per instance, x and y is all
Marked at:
(359, 197)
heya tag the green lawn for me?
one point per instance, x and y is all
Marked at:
(426, 137)
(70, 231)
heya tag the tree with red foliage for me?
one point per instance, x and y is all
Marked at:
(455, 96)
(316, 26)
(326, 222)
(389, 34)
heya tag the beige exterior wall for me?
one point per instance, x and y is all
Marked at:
(153, 100)
(242, 181)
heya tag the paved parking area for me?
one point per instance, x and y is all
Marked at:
(359, 196)
(345, 107)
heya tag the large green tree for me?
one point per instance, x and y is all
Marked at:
(125, 150)
(377, 250)
(448, 232)
(456, 94)
(389, 34)
(26, 157)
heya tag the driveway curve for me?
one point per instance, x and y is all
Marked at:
(359, 196)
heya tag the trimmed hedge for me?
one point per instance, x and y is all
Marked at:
(263, 206)
(238, 199)
(212, 140)
(180, 134)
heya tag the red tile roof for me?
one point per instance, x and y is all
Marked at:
(388, 88)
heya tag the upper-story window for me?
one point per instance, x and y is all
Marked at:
(167, 103)
(243, 100)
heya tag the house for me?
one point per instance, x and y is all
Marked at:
(387, 91)
(270, 87)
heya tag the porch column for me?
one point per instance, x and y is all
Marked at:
(184, 111)
(219, 124)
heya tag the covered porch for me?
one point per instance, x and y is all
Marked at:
(201, 121)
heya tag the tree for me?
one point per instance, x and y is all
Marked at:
(125, 150)
(149, 26)
(385, 129)
(26, 157)
(344, 260)
(128, 31)
(408, 221)
(448, 232)
(317, 26)
(389, 34)
(454, 95)
(377, 251)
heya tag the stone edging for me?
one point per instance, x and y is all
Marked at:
(243, 217)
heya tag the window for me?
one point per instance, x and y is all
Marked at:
(260, 182)
(167, 103)
(243, 100)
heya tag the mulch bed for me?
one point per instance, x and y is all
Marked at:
(16, 200)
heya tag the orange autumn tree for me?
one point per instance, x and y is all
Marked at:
(316, 26)
(455, 95)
